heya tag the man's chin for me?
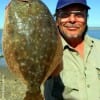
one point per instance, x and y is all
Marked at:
(75, 36)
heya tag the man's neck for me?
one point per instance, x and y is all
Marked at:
(78, 45)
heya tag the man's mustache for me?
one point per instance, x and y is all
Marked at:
(72, 25)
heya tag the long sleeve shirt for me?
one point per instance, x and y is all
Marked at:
(81, 76)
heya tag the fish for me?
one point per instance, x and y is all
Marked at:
(31, 44)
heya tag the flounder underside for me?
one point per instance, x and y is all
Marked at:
(31, 44)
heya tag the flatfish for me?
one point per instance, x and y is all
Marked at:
(31, 44)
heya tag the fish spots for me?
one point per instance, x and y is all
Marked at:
(22, 64)
(30, 44)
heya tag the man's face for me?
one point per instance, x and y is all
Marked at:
(72, 21)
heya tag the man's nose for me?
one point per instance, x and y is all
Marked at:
(72, 18)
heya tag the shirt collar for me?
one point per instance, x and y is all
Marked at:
(88, 40)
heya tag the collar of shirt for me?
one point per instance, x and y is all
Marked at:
(88, 41)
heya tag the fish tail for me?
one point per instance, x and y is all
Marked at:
(33, 94)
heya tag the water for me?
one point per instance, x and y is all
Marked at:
(2, 60)
(93, 33)
(0, 42)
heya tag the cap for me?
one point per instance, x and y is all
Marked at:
(63, 3)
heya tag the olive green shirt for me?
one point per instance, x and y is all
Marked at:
(81, 76)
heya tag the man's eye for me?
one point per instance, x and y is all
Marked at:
(79, 14)
(63, 15)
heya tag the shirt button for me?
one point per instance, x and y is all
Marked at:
(88, 86)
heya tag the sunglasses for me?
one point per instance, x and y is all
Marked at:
(63, 14)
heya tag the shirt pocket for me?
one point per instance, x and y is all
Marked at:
(70, 81)
(71, 90)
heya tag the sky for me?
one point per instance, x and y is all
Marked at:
(93, 19)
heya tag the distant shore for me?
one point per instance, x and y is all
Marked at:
(94, 28)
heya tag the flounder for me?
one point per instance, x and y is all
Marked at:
(31, 44)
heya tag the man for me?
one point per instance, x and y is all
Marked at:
(81, 65)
